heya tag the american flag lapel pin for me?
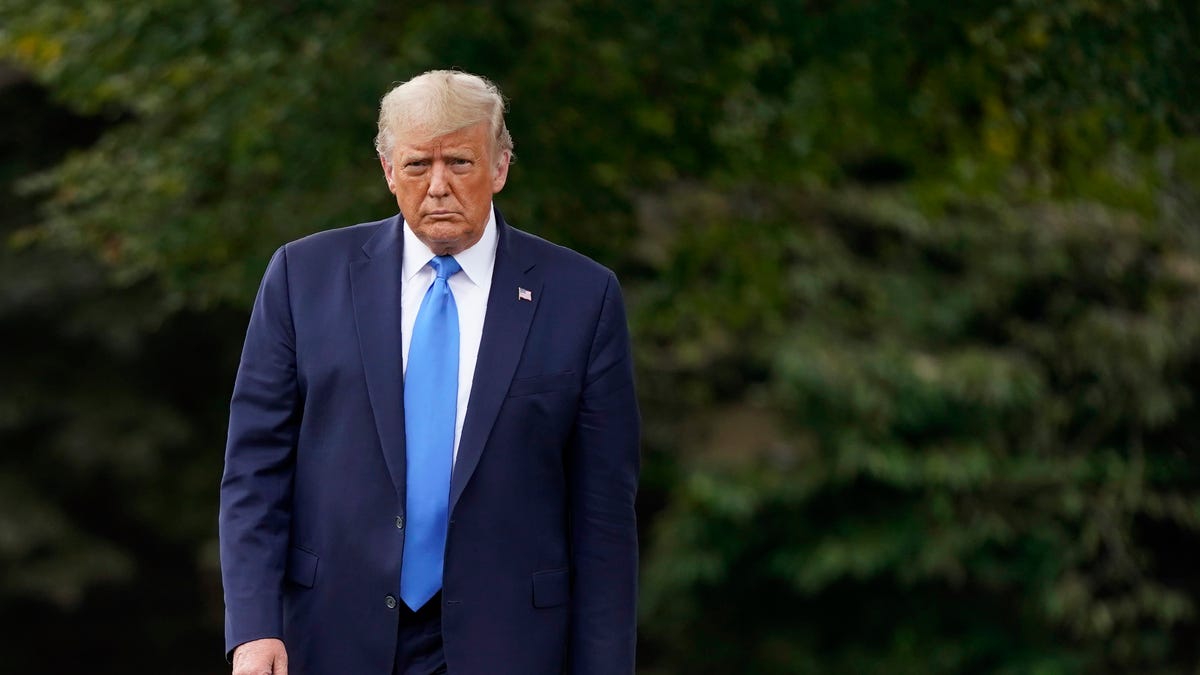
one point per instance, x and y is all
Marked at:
(524, 294)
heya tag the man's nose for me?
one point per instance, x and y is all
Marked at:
(438, 186)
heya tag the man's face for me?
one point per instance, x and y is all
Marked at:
(444, 186)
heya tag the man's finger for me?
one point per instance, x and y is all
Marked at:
(267, 656)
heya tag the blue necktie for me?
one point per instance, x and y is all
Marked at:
(430, 408)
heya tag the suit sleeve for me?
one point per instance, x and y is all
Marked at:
(603, 473)
(256, 489)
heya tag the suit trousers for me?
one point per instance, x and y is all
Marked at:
(419, 642)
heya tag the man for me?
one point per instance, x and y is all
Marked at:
(433, 436)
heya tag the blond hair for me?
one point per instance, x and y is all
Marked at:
(439, 102)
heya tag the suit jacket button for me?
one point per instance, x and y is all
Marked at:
(399, 522)
(390, 601)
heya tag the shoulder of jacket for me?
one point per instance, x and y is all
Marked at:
(351, 237)
(558, 257)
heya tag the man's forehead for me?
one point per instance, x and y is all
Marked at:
(471, 138)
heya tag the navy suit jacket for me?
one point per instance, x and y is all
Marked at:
(541, 553)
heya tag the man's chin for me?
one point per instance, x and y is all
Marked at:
(448, 243)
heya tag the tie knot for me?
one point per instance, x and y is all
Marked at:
(445, 266)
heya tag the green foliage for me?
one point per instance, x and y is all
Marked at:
(979, 418)
(914, 288)
(105, 404)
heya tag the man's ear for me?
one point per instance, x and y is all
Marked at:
(500, 175)
(387, 173)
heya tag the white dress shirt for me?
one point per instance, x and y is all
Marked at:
(470, 288)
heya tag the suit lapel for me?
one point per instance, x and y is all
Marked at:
(375, 285)
(505, 326)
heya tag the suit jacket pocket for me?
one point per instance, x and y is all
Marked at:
(301, 567)
(543, 383)
(551, 588)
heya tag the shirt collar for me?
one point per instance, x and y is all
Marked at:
(476, 261)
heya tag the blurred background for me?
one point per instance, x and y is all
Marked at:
(914, 288)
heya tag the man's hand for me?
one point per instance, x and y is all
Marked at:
(260, 657)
